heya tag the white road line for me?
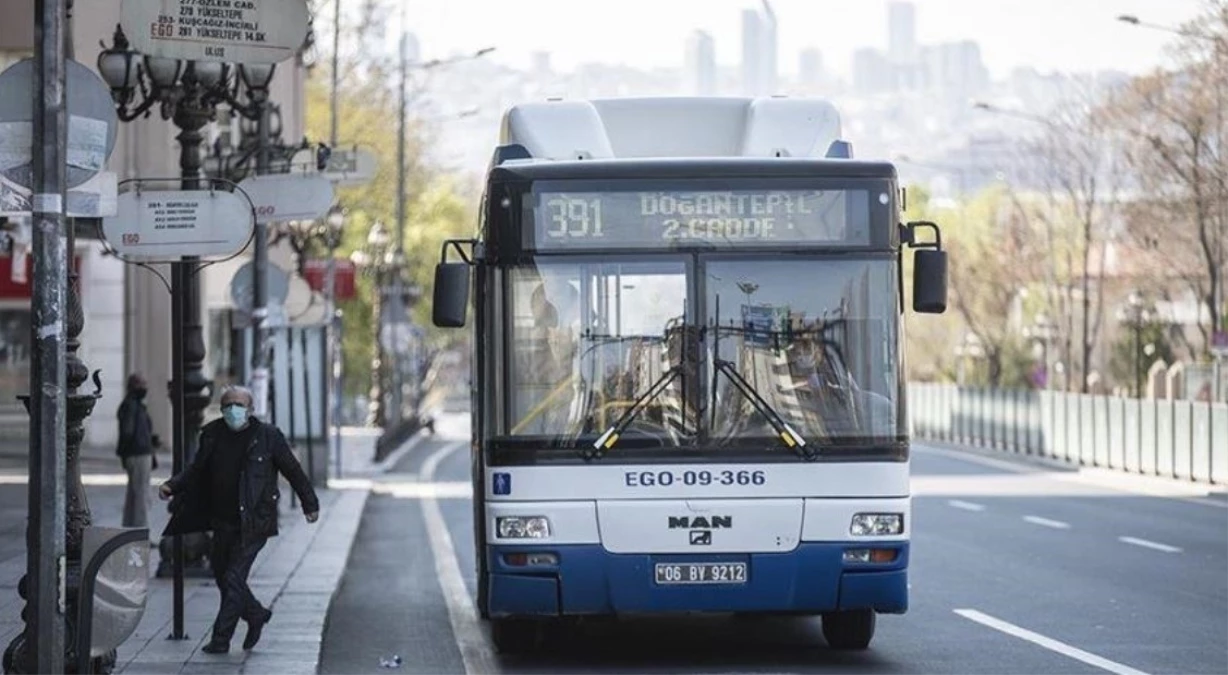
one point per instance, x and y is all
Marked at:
(1149, 544)
(966, 506)
(1048, 643)
(1045, 522)
(476, 652)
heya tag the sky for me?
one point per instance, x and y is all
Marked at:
(1062, 35)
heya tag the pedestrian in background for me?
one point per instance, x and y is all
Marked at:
(135, 448)
(231, 489)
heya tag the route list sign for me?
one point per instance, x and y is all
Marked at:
(167, 224)
(234, 31)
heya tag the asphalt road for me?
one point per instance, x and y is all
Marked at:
(1014, 570)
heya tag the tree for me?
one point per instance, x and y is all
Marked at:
(368, 118)
(1132, 356)
(1173, 126)
(992, 252)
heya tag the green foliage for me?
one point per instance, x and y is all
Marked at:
(1127, 355)
(435, 209)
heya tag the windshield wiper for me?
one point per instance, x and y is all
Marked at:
(611, 435)
(784, 432)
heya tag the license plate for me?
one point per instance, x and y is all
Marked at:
(701, 573)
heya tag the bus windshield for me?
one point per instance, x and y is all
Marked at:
(813, 340)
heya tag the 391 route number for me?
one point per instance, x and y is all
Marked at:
(700, 478)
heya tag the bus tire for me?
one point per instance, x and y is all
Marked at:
(849, 629)
(514, 636)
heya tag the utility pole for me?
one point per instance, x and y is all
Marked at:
(398, 271)
(331, 332)
(47, 495)
(260, 270)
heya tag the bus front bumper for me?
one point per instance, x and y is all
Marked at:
(588, 580)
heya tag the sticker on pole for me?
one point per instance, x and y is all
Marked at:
(165, 225)
(228, 31)
(287, 197)
(96, 198)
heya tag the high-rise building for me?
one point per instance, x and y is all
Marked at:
(871, 71)
(701, 64)
(955, 67)
(541, 63)
(413, 49)
(810, 67)
(759, 51)
(901, 33)
(769, 45)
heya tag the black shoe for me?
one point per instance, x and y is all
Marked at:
(254, 629)
(215, 647)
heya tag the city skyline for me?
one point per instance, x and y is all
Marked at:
(1011, 33)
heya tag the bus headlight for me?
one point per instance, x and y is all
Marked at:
(876, 524)
(523, 527)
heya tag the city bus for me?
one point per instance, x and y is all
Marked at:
(688, 390)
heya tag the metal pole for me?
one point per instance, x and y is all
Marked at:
(1138, 359)
(337, 388)
(178, 437)
(260, 271)
(311, 459)
(45, 534)
(398, 271)
(332, 133)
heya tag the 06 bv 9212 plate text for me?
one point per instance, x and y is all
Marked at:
(700, 573)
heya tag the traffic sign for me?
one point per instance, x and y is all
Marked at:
(164, 225)
(286, 197)
(345, 167)
(96, 198)
(92, 123)
(277, 286)
(227, 31)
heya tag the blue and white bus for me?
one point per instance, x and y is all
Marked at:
(688, 387)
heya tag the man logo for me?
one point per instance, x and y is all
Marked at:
(701, 537)
(700, 523)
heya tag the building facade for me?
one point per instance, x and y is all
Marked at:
(127, 309)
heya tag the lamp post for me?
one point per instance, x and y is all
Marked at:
(1042, 330)
(375, 260)
(1136, 315)
(188, 94)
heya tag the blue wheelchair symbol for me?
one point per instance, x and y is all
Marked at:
(502, 483)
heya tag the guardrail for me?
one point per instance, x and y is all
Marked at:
(1185, 440)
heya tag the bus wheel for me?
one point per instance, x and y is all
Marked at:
(514, 636)
(851, 629)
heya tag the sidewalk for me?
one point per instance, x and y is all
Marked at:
(296, 575)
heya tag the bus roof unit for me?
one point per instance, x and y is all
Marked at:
(675, 127)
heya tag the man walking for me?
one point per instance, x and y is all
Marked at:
(231, 488)
(136, 451)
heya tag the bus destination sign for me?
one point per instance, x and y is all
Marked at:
(725, 219)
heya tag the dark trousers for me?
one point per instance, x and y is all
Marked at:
(232, 559)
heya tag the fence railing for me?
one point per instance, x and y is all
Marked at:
(1176, 439)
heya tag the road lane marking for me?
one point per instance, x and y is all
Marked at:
(1111, 480)
(1045, 522)
(476, 652)
(1048, 643)
(966, 506)
(1149, 544)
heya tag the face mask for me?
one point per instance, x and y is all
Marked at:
(235, 416)
(139, 393)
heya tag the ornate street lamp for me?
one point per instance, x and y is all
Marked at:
(375, 260)
(1137, 315)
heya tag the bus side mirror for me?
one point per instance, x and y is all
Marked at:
(929, 278)
(451, 297)
(929, 282)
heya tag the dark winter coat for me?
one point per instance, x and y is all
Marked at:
(136, 435)
(267, 455)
